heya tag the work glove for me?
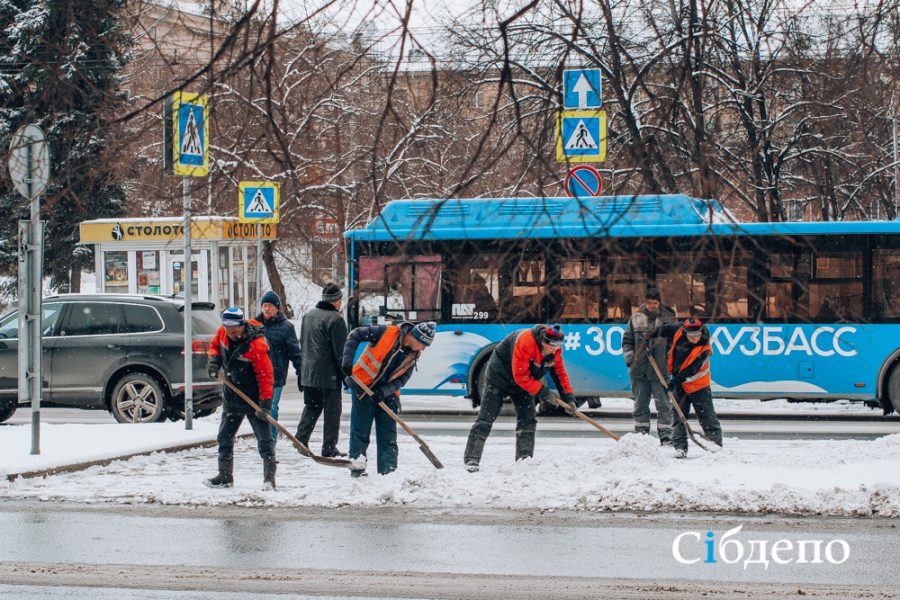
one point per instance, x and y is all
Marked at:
(377, 396)
(594, 402)
(675, 381)
(544, 399)
(265, 409)
(569, 399)
(476, 401)
(299, 385)
(212, 369)
(347, 369)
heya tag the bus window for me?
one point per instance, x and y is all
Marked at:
(526, 298)
(725, 280)
(683, 289)
(477, 289)
(886, 283)
(577, 295)
(836, 288)
(626, 281)
(395, 288)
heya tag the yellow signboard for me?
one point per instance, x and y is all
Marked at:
(172, 229)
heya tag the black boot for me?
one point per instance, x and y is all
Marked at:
(524, 444)
(269, 473)
(332, 452)
(225, 478)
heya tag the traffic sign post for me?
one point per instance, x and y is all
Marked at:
(186, 153)
(259, 202)
(583, 182)
(581, 136)
(29, 168)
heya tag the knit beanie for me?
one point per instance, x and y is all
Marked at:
(272, 298)
(331, 293)
(424, 332)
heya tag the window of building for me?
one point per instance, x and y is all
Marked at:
(148, 272)
(115, 272)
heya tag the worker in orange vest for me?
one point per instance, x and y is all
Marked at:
(384, 366)
(690, 379)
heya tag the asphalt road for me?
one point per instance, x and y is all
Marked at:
(64, 551)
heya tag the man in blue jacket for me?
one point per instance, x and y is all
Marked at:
(283, 346)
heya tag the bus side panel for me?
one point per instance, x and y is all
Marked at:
(769, 360)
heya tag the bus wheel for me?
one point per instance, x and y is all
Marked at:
(893, 388)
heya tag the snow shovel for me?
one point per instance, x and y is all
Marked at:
(583, 417)
(677, 408)
(300, 446)
(422, 445)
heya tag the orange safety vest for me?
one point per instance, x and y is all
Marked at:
(374, 359)
(701, 378)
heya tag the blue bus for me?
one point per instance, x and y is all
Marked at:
(797, 310)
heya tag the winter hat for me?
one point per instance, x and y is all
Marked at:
(272, 298)
(692, 326)
(652, 294)
(424, 332)
(553, 336)
(331, 293)
(233, 317)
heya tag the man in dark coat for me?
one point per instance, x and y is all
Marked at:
(516, 369)
(636, 342)
(283, 346)
(384, 366)
(240, 349)
(323, 334)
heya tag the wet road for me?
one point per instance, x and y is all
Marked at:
(84, 548)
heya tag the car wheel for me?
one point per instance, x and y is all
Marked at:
(7, 410)
(138, 398)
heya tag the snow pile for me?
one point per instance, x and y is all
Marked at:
(856, 478)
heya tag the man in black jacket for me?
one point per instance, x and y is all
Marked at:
(283, 346)
(323, 335)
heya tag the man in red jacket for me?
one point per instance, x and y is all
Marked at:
(240, 349)
(516, 369)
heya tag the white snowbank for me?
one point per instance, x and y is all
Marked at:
(856, 478)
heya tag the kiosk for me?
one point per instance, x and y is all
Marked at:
(146, 256)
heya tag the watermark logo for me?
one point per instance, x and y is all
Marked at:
(692, 547)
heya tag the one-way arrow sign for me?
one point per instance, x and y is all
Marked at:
(582, 89)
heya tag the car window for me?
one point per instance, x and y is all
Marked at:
(140, 319)
(204, 321)
(92, 318)
(9, 326)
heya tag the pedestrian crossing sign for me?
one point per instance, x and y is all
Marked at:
(581, 136)
(258, 201)
(188, 117)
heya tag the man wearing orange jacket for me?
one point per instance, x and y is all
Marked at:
(690, 381)
(516, 369)
(384, 366)
(240, 349)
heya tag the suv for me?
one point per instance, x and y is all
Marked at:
(118, 352)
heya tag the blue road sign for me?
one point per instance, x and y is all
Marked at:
(581, 136)
(582, 89)
(187, 114)
(583, 181)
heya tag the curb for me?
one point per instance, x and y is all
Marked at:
(105, 461)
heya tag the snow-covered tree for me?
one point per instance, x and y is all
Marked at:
(59, 68)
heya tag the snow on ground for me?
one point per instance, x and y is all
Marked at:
(853, 478)
(62, 445)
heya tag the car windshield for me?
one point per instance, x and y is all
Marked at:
(204, 321)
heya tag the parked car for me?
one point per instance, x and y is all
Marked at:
(117, 352)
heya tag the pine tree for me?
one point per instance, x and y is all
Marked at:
(59, 68)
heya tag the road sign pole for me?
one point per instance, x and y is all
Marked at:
(258, 263)
(188, 325)
(34, 254)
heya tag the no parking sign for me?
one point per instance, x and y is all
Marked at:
(583, 182)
